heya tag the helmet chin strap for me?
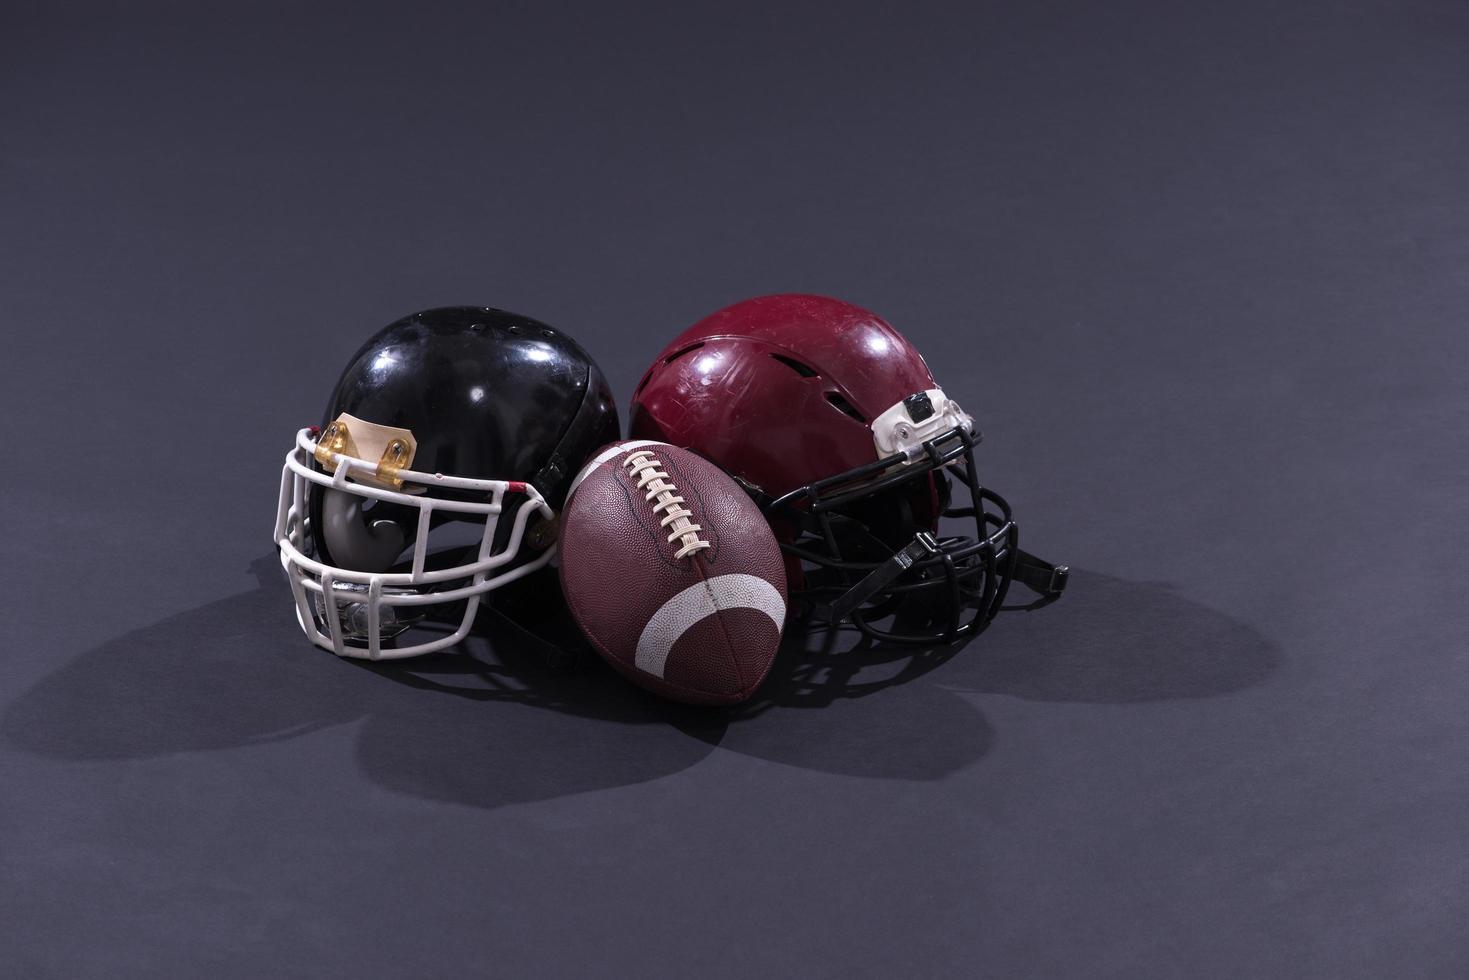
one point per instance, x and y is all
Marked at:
(1039, 575)
(875, 581)
(355, 542)
(1034, 573)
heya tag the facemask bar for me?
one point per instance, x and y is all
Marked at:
(959, 575)
(312, 580)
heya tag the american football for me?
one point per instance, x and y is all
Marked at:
(672, 573)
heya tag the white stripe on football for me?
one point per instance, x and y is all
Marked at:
(676, 616)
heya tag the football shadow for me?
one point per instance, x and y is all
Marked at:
(497, 725)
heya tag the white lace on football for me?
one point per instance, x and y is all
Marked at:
(648, 470)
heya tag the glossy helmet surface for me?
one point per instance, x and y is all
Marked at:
(444, 456)
(832, 420)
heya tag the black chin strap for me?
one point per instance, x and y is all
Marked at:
(875, 581)
(1039, 575)
(1034, 573)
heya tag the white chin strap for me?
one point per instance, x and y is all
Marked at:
(906, 426)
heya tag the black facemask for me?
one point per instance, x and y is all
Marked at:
(870, 552)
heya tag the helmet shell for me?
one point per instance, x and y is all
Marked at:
(488, 394)
(779, 390)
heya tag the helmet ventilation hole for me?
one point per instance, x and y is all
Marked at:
(804, 370)
(844, 406)
(681, 352)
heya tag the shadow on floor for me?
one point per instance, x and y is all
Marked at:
(499, 726)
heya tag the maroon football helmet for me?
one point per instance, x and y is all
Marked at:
(833, 423)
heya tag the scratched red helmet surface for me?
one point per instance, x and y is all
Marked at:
(832, 421)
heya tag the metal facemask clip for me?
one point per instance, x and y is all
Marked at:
(357, 439)
(333, 443)
(543, 534)
(394, 459)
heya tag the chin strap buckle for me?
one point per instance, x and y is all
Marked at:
(1039, 575)
(1034, 573)
(922, 546)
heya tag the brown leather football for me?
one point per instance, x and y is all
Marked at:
(672, 573)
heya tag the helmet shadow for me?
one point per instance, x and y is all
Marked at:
(496, 724)
(1107, 641)
(237, 672)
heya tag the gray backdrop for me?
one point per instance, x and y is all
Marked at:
(1198, 268)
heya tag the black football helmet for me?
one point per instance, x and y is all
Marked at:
(442, 462)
